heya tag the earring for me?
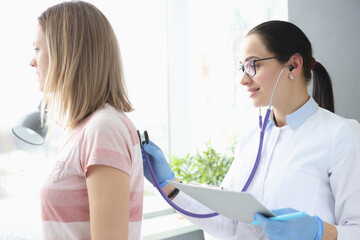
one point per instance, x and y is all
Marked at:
(292, 76)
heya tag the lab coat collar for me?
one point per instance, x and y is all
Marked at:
(295, 119)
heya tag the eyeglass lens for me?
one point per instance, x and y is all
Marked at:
(249, 68)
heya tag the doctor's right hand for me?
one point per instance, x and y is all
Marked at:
(306, 227)
(159, 165)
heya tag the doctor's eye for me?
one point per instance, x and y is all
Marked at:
(241, 67)
(36, 49)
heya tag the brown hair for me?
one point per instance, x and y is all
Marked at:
(285, 39)
(85, 68)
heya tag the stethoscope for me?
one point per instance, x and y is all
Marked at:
(144, 138)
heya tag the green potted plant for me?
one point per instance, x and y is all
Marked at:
(207, 166)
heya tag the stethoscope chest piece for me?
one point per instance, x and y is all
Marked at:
(143, 137)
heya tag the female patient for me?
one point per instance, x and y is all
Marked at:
(95, 190)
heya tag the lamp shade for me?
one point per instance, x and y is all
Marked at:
(29, 129)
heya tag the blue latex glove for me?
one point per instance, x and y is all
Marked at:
(159, 165)
(308, 227)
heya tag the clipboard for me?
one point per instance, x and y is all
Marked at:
(240, 206)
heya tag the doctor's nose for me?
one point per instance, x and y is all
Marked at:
(244, 79)
(32, 62)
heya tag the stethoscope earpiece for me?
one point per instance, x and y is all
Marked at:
(291, 67)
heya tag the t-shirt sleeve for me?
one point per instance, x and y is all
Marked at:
(106, 141)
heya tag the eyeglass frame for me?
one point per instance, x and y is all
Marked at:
(242, 66)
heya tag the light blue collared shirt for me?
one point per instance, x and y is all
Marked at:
(295, 119)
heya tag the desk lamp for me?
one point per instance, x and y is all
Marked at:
(29, 129)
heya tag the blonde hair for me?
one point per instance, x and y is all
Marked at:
(85, 68)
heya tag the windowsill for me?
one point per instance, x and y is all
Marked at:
(160, 220)
(20, 218)
(166, 226)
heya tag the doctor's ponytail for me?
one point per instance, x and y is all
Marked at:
(284, 39)
(322, 88)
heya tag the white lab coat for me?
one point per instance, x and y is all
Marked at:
(312, 164)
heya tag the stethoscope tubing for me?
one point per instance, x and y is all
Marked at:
(176, 207)
(262, 126)
(258, 156)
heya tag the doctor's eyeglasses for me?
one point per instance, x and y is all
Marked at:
(249, 67)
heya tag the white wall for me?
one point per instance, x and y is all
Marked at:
(333, 27)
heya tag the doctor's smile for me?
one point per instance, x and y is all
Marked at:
(305, 190)
(193, 72)
(253, 91)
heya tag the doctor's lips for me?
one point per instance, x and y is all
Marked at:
(253, 91)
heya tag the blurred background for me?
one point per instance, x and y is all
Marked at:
(180, 59)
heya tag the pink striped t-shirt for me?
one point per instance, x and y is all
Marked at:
(107, 137)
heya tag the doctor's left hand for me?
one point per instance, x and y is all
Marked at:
(307, 227)
(159, 165)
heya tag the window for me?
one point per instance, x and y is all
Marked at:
(180, 60)
(206, 99)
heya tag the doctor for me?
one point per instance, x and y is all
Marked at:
(310, 159)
